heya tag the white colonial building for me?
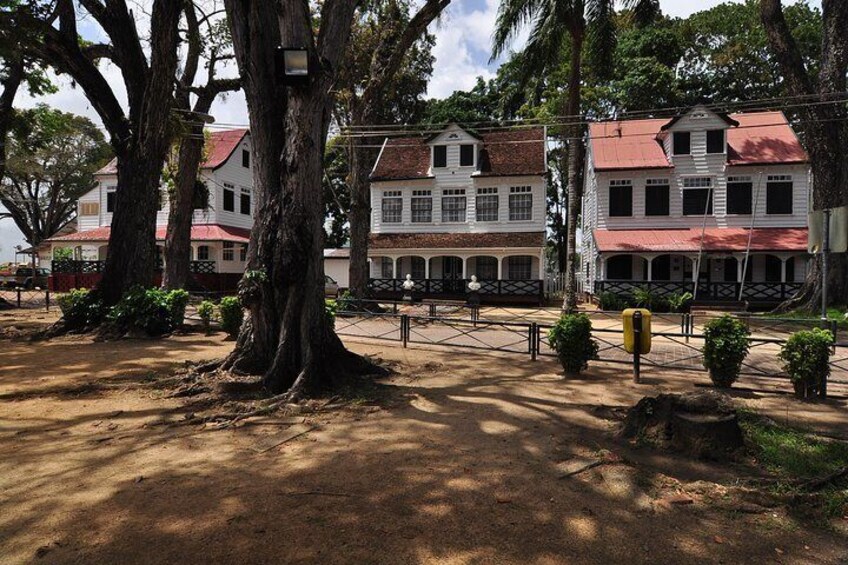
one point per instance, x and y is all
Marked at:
(220, 227)
(680, 204)
(459, 204)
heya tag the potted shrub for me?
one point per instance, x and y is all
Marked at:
(571, 338)
(806, 356)
(725, 348)
(206, 310)
(231, 314)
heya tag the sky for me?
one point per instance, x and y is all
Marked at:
(462, 52)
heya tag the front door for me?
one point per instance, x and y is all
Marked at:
(452, 274)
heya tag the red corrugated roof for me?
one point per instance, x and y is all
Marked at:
(504, 153)
(221, 145)
(762, 138)
(201, 232)
(689, 240)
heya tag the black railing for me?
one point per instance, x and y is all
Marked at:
(433, 287)
(707, 291)
(74, 266)
(201, 267)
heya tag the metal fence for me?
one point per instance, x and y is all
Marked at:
(677, 338)
(26, 298)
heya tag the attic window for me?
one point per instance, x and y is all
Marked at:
(466, 155)
(681, 143)
(715, 141)
(245, 158)
(440, 156)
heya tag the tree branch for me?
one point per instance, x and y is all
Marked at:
(785, 49)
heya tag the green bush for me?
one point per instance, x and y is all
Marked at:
(345, 302)
(81, 308)
(725, 348)
(805, 356)
(571, 337)
(330, 308)
(177, 302)
(206, 311)
(611, 301)
(232, 314)
(679, 301)
(644, 298)
(143, 309)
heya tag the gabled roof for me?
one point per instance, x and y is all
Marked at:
(761, 138)
(689, 240)
(220, 146)
(503, 153)
(724, 116)
(200, 232)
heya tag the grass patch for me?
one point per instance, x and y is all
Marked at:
(836, 313)
(795, 456)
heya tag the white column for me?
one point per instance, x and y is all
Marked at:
(464, 267)
(426, 267)
(740, 266)
(695, 269)
(500, 268)
(650, 261)
(603, 268)
(395, 268)
(783, 269)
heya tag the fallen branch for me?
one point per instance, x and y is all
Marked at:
(818, 484)
(586, 467)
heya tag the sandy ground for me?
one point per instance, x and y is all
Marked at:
(458, 461)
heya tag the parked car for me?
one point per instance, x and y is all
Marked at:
(23, 277)
(331, 287)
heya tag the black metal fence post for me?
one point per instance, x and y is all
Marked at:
(19, 296)
(404, 329)
(47, 300)
(637, 345)
(531, 340)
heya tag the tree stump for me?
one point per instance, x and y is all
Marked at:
(703, 424)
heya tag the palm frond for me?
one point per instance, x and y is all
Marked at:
(513, 15)
(645, 12)
(601, 39)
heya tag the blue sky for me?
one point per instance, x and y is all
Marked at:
(463, 38)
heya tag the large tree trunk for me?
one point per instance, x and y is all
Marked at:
(359, 217)
(825, 131)
(574, 188)
(287, 336)
(14, 75)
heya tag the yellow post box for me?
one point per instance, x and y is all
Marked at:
(630, 332)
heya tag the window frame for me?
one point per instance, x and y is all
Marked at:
(228, 251)
(620, 186)
(657, 184)
(208, 253)
(455, 202)
(89, 208)
(111, 199)
(780, 181)
(674, 145)
(710, 188)
(393, 197)
(487, 194)
(511, 267)
(517, 194)
(437, 149)
(245, 158)
(723, 141)
(737, 181)
(231, 189)
(245, 196)
(462, 148)
(420, 197)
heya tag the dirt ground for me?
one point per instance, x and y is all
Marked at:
(459, 459)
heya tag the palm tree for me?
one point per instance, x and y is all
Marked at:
(557, 26)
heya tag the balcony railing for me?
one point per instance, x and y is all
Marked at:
(86, 267)
(707, 291)
(458, 287)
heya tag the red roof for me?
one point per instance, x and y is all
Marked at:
(220, 146)
(504, 153)
(689, 240)
(761, 138)
(201, 232)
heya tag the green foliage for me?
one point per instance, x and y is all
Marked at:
(679, 301)
(611, 301)
(330, 308)
(345, 301)
(81, 308)
(206, 311)
(805, 356)
(571, 337)
(153, 311)
(725, 348)
(231, 314)
(794, 455)
(644, 298)
(63, 253)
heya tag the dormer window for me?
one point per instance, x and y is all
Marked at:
(440, 156)
(681, 143)
(715, 141)
(245, 158)
(466, 155)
